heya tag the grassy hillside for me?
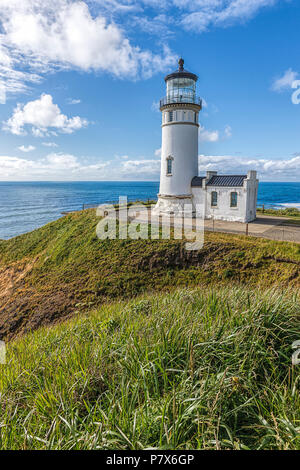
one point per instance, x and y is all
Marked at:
(287, 212)
(63, 269)
(205, 369)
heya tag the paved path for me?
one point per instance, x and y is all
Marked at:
(274, 228)
(265, 226)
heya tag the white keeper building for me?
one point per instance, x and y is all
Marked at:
(224, 197)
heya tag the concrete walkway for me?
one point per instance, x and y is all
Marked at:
(273, 228)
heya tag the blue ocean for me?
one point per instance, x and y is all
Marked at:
(27, 206)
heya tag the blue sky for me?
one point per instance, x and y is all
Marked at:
(80, 82)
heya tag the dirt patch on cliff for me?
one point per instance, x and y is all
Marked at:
(12, 275)
(27, 310)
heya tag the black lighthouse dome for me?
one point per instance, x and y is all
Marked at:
(181, 73)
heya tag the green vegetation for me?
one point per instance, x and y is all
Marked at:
(288, 212)
(149, 345)
(292, 222)
(204, 369)
(63, 269)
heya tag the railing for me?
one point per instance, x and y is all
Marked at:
(181, 99)
(146, 202)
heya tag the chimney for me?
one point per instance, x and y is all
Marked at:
(210, 174)
(252, 175)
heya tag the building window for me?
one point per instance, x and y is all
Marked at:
(233, 199)
(169, 165)
(214, 199)
(170, 116)
(196, 118)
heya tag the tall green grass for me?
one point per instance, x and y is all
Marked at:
(287, 212)
(193, 369)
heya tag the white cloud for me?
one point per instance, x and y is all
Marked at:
(49, 144)
(53, 167)
(30, 148)
(222, 13)
(118, 6)
(157, 25)
(59, 166)
(14, 81)
(155, 106)
(285, 81)
(214, 135)
(2, 93)
(268, 169)
(73, 101)
(40, 36)
(140, 169)
(43, 115)
(161, 17)
(204, 103)
(228, 131)
(136, 169)
(208, 136)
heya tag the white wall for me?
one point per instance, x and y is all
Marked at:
(180, 141)
(252, 189)
(183, 115)
(223, 211)
(246, 202)
(199, 196)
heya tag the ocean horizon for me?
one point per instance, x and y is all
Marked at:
(25, 206)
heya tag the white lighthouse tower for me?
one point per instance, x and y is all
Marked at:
(179, 153)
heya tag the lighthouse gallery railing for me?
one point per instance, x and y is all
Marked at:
(181, 99)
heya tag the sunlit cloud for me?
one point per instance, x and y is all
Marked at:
(42, 115)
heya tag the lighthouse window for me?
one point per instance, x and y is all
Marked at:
(214, 199)
(181, 90)
(233, 199)
(170, 116)
(169, 165)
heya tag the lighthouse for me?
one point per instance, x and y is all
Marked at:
(182, 191)
(179, 152)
